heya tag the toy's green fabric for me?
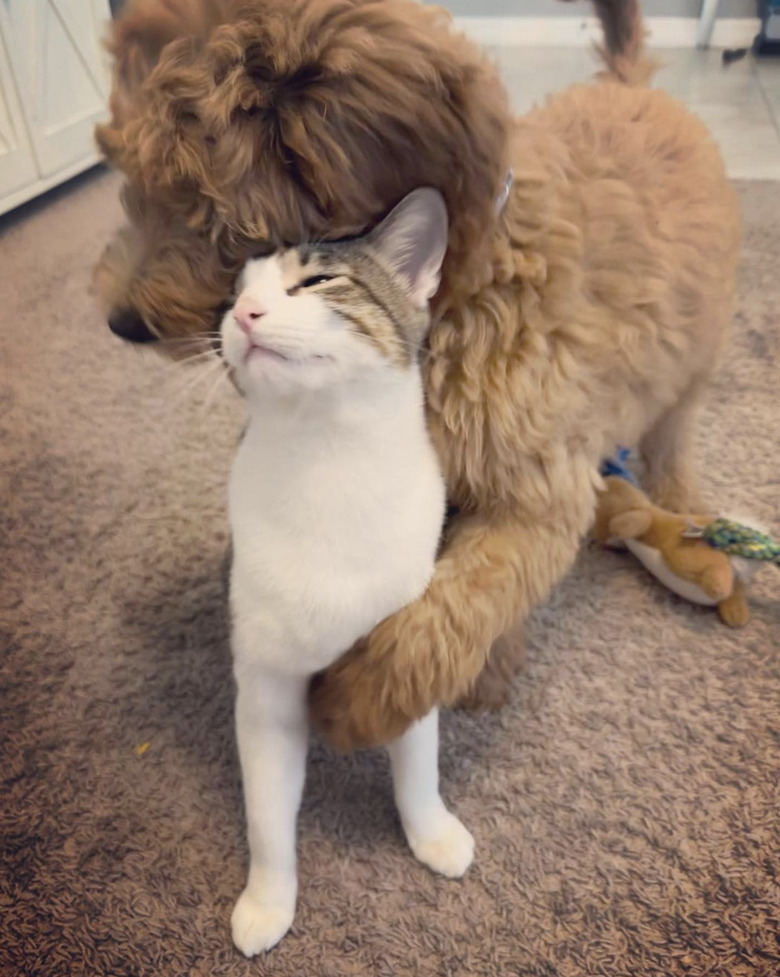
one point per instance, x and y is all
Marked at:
(733, 538)
(738, 540)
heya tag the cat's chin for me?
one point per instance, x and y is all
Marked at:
(265, 354)
(256, 352)
(267, 370)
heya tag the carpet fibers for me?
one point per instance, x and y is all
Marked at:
(626, 805)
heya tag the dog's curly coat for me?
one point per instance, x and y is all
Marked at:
(589, 312)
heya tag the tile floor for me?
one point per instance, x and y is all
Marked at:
(740, 102)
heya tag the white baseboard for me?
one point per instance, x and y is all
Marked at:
(38, 186)
(730, 32)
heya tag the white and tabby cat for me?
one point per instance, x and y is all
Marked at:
(336, 506)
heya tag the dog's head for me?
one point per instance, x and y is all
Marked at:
(242, 125)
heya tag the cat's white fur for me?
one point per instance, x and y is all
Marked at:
(336, 504)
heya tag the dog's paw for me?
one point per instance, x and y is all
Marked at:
(258, 924)
(447, 848)
(349, 702)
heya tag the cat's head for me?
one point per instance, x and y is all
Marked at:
(318, 315)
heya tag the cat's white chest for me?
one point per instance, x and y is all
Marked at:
(331, 534)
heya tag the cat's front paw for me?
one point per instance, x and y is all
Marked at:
(446, 847)
(259, 922)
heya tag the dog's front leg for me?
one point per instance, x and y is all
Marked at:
(272, 732)
(492, 572)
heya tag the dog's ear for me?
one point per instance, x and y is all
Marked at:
(139, 35)
(412, 239)
(110, 142)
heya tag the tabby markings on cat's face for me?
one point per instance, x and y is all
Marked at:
(313, 316)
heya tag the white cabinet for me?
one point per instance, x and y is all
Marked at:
(17, 163)
(54, 83)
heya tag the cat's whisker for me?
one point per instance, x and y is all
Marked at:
(195, 347)
(208, 400)
(186, 354)
(177, 348)
(174, 340)
(194, 335)
(200, 374)
(183, 370)
(199, 363)
(199, 357)
(201, 339)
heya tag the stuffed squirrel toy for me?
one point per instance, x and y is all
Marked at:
(707, 561)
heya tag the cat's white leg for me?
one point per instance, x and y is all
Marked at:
(272, 732)
(435, 835)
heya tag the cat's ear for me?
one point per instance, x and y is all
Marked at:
(412, 239)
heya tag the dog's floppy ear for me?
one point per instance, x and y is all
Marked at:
(631, 524)
(138, 36)
(412, 240)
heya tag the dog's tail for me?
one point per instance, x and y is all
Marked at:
(623, 50)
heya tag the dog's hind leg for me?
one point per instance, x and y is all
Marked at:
(667, 451)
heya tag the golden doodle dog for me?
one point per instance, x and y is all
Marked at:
(584, 310)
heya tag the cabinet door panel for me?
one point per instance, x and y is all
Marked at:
(17, 163)
(61, 73)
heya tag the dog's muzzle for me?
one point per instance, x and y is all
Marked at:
(127, 324)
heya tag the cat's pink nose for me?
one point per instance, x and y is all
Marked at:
(247, 311)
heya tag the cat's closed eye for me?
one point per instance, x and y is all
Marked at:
(316, 280)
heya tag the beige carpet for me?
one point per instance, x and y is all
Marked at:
(626, 806)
